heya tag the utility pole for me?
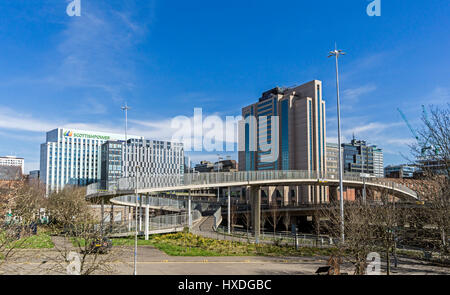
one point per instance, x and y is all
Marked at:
(337, 53)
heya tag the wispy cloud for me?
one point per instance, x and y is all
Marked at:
(352, 95)
(13, 120)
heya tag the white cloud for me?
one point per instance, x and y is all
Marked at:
(352, 95)
(10, 119)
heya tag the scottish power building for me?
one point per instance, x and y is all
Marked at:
(72, 156)
(298, 135)
(80, 157)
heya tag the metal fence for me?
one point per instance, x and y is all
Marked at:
(280, 238)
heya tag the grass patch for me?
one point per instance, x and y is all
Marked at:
(39, 241)
(186, 244)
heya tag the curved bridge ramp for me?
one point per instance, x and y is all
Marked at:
(155, 184)
(157, 225)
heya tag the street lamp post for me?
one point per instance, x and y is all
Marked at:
(337, 53)
(135, 224)
(125, 109)
(363, 174)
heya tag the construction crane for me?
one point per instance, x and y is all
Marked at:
(409, 125)
(424, 145)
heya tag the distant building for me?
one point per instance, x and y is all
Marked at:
(14, 162)
(226, 166)
(434, 166)
(399, 171)
(332, 157)
(10, 173)
(204, 167)
(361, 158)
(35, 174)
(378, 162)
(187, 165)
(111, 163)
(160, 162)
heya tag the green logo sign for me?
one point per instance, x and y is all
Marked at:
(82, 135)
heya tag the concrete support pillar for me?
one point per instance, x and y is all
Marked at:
(334, 193)
(102, 218)
(256, 210)
(286, 196)
(147, 220)
(190, 211)
(229, 210)
(140, 213)
(271, 194)
(129, 219)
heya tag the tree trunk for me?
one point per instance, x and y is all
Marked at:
(388, 262)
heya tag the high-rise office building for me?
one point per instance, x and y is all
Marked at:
(293, 122)
(161, 162)
(378, 162)
(361, 158)
(72, 156)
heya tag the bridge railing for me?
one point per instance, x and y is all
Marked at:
(155, 223)
(151, 201)
(212, 179)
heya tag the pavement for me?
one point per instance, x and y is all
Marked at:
(152, 261)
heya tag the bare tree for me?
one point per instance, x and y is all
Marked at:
(359, 234)
(20, 203)
(384, 219)
(275, 216)
(287, 220)
(80, 235)
(246, 219)
(432, 151)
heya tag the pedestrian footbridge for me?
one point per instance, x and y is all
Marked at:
(147, 184)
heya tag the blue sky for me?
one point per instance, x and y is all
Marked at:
(167, 57)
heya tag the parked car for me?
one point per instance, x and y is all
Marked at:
(101, 246)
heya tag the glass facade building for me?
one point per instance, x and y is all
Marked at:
(361, 158)
(73, 157)
(293, 122)
(163, 161)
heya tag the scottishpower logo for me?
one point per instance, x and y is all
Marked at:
(83, 135)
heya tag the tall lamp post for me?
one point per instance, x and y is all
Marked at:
(218, 170)
(136, 228)
(337, 53)
(125, 108)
